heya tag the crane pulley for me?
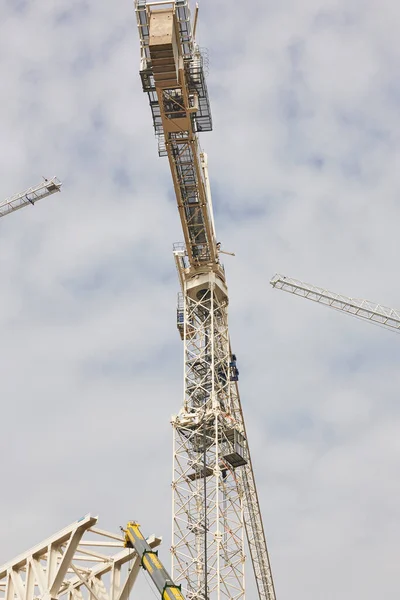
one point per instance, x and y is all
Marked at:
(30, 196)
(362, 309)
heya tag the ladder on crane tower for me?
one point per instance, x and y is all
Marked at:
(362, 309)
(30, 196)
(215, 499)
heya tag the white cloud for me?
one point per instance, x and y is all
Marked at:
(304, 168)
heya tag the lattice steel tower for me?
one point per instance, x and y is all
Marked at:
(214, 493)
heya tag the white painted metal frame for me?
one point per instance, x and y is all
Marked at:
(363, 309)
(30, 196)
(213, 484)
(80, 562)
(253, 522)
(207, 511)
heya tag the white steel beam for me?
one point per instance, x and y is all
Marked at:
(65, 566)
(30, 196)
(362, 309)
(41, 549)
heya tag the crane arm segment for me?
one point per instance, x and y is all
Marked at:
(363, 309)
(30, 196)
(172, 74)
(151, 563)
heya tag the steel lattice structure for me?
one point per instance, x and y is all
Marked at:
(30, 196)
(81, 562)
(215, 503)
(208, 448)
(357, 307)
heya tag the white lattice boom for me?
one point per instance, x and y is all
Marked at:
(30, 196)
(215, 499)
(80, 562)
(362, 309)
(207, 485)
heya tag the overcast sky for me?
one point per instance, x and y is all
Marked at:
(304, 165)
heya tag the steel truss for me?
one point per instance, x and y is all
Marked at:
(358, 307)
(30, 196)
(80, 562)
(211, 452)
(214, 491)
(208, 447)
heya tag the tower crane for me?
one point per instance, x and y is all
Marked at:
(362, 309)
(215, 501)
(30, 196)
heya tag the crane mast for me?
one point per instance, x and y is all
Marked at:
(215, 499)
(362, 309)
(30, 196)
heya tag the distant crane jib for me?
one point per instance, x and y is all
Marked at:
(30, 196)
(360, 308)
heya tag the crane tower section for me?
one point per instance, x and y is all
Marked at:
(214, 492)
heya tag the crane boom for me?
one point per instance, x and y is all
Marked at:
(214, 491)
(30, 196)
(172, 74)
(363, 309)
(151, 563)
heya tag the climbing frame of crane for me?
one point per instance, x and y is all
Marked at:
(81, 562)
(215, 500)
(30, 196)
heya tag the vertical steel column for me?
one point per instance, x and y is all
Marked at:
(208, 546)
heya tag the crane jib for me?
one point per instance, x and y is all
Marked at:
(173, 76)
(360, 308)
(30, 196)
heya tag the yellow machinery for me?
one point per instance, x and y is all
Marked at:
(150, 561)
